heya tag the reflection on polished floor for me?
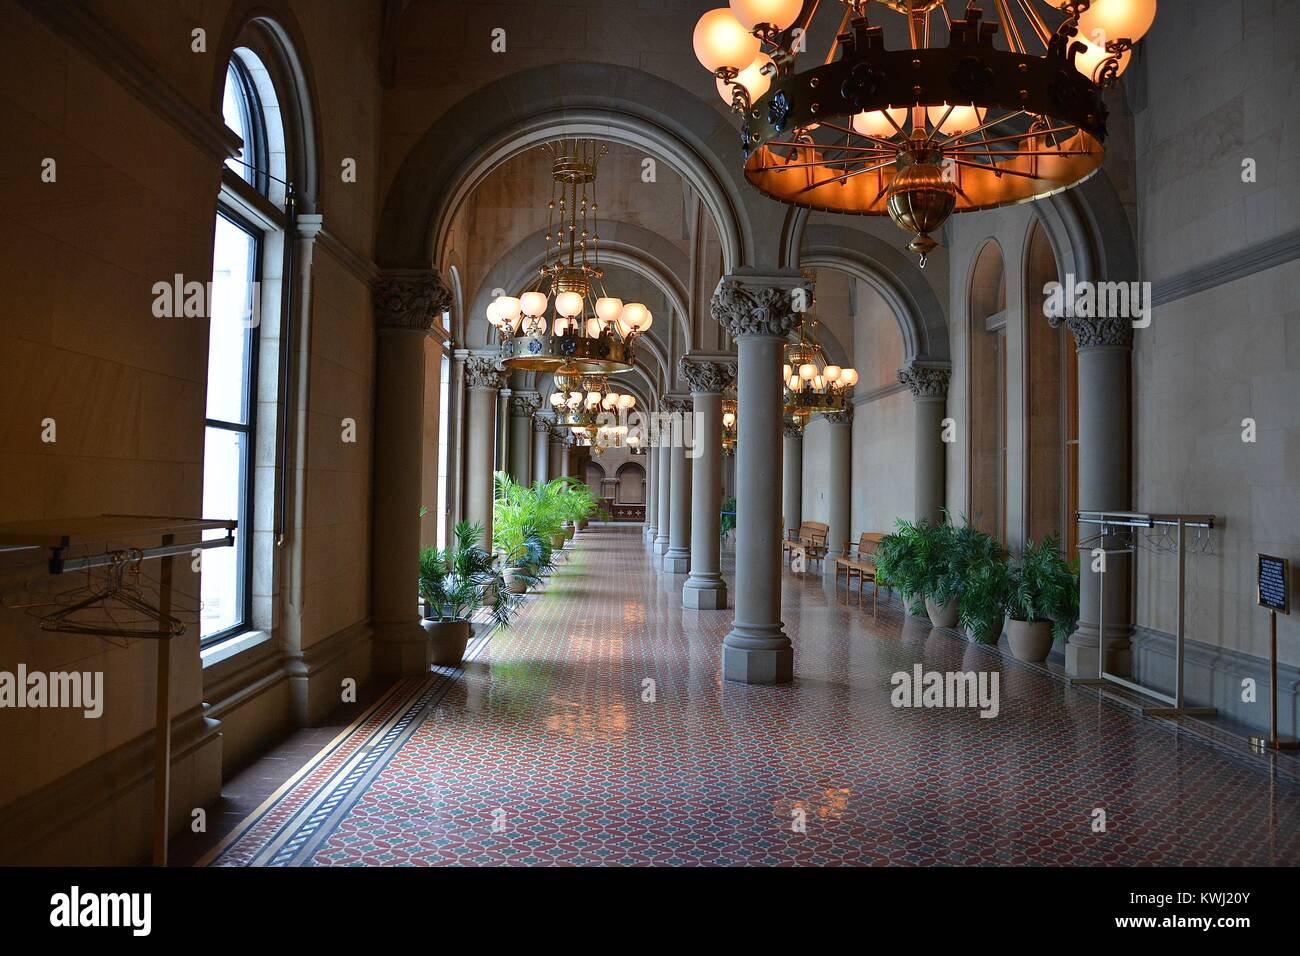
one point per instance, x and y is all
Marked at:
(553, 747)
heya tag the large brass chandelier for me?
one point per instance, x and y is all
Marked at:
(585, 400)
(968, 115)
(811, 384)
(564, 318)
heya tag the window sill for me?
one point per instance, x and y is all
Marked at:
(232, 646)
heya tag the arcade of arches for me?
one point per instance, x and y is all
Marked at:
(365, 411)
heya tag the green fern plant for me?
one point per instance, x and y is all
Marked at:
(458, 581)
(1043, 586)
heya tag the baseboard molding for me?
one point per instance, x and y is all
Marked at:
(100, 814)
(1212, 677)
(316, 674)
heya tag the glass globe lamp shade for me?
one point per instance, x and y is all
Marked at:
(875, 123)
(507, 307)
(777, 14)
(785, 372)
(795, 384)
(494, 317)
(832, 373)
(849, 377)
(561, 326)
(1088, 61)
(568, 304)
(752, 78)
(626, 402)
(807, 371)
(1108, 20)
(593, 327)
(635, 314)
(729, 419)
(722, 43)
(962, 119)
(608, 308)
(557, 399)
(533, 304)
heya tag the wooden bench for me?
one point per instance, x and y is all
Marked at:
(862, 564)
(810, 541)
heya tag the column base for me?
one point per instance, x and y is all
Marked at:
(757, 655)
(661, 545)
(704, 594)
(1081, 660)
(677, 561)
(400, 649)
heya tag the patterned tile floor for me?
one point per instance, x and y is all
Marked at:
(546, 750)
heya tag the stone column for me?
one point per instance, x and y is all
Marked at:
(1105, 348)
(929, 386)
(566, 455)
(456, 440)
(651, 493)
(677, 559)
(407, 303)
(792, 478)
(482, 380)
(541, 455)
(522, 407)
(503, 430)
(556, 466)
(664, 486)
(705, 589)
(839, 486)
(759, 312)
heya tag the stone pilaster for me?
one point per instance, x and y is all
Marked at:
(483, 379)
(1105, 347)
(677, 559)
(663, 491)
(406, 303)
(759, 312)
(928, 383)
(541, 454)
(792, 478)
(523, 405)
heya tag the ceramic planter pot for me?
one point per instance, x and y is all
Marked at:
(1030, 640)
(582, 525)
(515, 582)
(557, 540)
(569, 532)
(447, 640)
(942, 615)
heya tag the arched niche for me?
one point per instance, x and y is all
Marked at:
(1051, 411)
(987, 383)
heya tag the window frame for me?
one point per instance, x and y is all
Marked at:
(247, 484)
(252, 111)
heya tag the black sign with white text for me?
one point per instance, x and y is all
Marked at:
(1274, 592)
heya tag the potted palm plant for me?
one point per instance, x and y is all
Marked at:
(917, 559)
(1042, 600)
(456, 583)
(981, 567)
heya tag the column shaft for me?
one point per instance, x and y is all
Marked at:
(665, 510)
(541, 455)
(705, 589)
(480, 454)
(651, 492)
(521, 452)
(677, 559)
(792, 479)
(839, 487)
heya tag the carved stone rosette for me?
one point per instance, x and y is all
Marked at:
(1097, 332)
(707, 376)
(926, 381)
(525, 404)
(481, 371)
(410, 301)
(760, 307)
(843, 417)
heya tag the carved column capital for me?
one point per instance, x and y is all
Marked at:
(1097, 331)
(925, 381)
(482, 371)
(525, 404)
(409, 300)
(844, 417)
(706, 376)
(676, 405)
(760, 305)
(541, 425)
(792, 430)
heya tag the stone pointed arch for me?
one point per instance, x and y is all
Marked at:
(891, 273)
(604, 101)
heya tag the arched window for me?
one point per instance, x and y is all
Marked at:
(987, 305)
(245, 311)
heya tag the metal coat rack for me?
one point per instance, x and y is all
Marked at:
(61, 535)
(1174, 705)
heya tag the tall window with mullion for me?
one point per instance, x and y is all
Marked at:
(229, 440)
